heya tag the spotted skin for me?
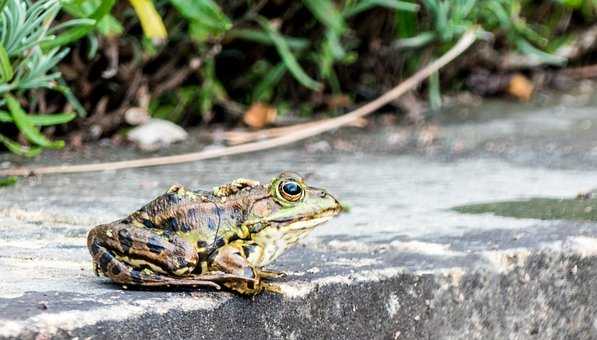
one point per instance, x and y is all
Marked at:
(222, 237)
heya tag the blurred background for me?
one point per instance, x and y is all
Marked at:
(74, 72)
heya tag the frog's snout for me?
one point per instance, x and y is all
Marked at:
(330, 202)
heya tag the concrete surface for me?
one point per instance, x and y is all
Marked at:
(400, 265)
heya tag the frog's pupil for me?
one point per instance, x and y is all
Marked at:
(292, 188)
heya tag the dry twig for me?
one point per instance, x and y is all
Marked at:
(583, 72)
(234, 137)
(465, 41)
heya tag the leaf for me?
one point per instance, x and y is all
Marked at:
(406, 23)
(543, 57)
(151, 21)
(68, 36)
(417, 41)
(6, 71)
(72, 99)
(434, 92)
(26, 127)
(199, 32)
(105, 23)
(364, 5)
(102, 10)
(263, 38)
(206, 12)
(325, 11)
(2, 4)
(264, 89)
(287, 56)
(17, 148)
(110, 26)
(41, 120)
(8, 181)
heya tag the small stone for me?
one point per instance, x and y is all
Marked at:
(321, 146)
(259, 115)
(136, 116)
(520, 87)
(156, 133)
(95, 131)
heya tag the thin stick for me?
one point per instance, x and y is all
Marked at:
(465, 41)
(581, 72)
(240, 137)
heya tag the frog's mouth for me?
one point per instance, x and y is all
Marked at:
(306, 223)
(295, 223)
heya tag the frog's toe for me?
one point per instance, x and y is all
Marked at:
(271, 274)
(272, 288)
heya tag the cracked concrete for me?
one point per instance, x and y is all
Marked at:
(400, 265)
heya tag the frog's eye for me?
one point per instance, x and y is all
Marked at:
(291, 191)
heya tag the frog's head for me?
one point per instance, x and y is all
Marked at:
(300, 206)
(287, 212)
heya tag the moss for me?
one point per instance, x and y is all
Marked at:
(539, 208)
(7, 181)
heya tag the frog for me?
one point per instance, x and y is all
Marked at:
(220, 238)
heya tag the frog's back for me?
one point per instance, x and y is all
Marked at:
(180, 210)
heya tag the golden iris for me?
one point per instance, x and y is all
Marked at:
(291, 191)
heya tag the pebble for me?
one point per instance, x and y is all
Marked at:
(156, 133)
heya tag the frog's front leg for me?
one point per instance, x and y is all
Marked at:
(232, 259)
(129, 254)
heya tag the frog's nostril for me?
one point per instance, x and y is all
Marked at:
(322, 194)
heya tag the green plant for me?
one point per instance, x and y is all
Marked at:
(7, 181)
(208, 24)
(30, 48)
(444, 22)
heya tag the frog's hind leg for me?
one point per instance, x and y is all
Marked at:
(120, 252)
(120, 272)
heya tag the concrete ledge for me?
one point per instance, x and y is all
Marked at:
(544, 295)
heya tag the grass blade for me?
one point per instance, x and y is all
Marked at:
(264, 89)
(72, 99)
(434, 92)
(417, 41)
(17, 148)
(543, 57)
(364, 5)
(102, 10)
(325, 11)
(68, 36)
(26, 127)
(207, 12)
(262, 37)
(41, 120)
(6, 71)
(287, 56)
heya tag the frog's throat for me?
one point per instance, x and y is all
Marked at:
(274, 241)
